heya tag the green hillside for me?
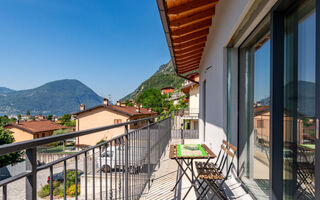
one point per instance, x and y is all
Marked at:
(164, 77)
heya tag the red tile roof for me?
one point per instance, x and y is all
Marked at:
(36, 126)
(127, 110)
(132, 110)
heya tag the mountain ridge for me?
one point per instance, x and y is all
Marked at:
(5, 90)
(56, 97)
(164, 77)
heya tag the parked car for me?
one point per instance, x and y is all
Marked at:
(60, 176)
(134, 166)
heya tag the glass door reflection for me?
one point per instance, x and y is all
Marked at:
(299, 103)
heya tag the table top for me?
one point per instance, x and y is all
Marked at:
(187, 151)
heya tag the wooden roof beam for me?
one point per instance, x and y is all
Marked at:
(182, 71)
(189, 60)
(207, 14)
(191, 43)
(192, 36)
(191, 53)
(182, 58)
(188, 64)
(192, 48)
(189, 6)
(191, 28)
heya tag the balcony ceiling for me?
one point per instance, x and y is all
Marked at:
(186, 24)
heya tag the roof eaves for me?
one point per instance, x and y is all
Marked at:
(21, 128)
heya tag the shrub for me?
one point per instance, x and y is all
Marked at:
(45, 191)
(71, 190)
(101, 141)
(61, 190)
(55, 184)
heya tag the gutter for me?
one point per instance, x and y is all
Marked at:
(165, 23)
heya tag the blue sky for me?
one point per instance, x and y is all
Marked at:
(110, 45)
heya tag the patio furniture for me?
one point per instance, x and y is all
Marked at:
(186, 153)
(305, 170)
(212, 174)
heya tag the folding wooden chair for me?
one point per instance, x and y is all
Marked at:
(218, 163)
(212, 174)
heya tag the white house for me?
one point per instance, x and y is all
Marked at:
(250, 51)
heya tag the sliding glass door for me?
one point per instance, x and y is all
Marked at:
(254, 111)
(299, 116)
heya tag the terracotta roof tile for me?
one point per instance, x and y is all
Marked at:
(127, 110)
(36, 126)
(132, 110)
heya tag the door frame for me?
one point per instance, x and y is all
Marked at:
(317, 150)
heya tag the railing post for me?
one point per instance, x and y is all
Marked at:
(182, 139)
(148, 154)
(126, 163)
(31, 180)
(159, 143)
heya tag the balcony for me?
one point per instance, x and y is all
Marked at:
(133, 165)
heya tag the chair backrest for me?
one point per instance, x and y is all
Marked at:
(227, 151)
(232, 150)
(222, 154)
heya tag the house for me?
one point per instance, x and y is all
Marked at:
(40, 117)
(28, 130)
(104, 115)
(250, 51)
(27, 117)
(191, 89)
(167, 90)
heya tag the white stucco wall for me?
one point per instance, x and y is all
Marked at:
(213, 70)
(194, 99)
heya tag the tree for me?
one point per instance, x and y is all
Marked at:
(4, 120)
(151, 98)
(28, 112)
(19, 117)
(7, 138)
(49, 117)
(128, 103)
(65, 118)
(182, 105)
(70, 123)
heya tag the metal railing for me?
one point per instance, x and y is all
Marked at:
(122, 165)
(184, 134)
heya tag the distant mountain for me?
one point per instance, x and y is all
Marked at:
(164, 77)
(57, 97)
(306, 97)
(4, 90)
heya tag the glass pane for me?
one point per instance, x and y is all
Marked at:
(257, 84)
(299, 102)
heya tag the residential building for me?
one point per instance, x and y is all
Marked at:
(28, 130)
(191, 89)
(104, 115)
(27, 117)
(167, 90)
(250, 51)
(40, 117)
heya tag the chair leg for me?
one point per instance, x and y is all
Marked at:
(203, 191)
(214, 187)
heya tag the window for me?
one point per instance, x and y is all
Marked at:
(254, 110)
(299, 102)
(43, 134)
(259, 123)
(117, 121)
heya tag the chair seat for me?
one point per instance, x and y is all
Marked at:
(208, 171)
